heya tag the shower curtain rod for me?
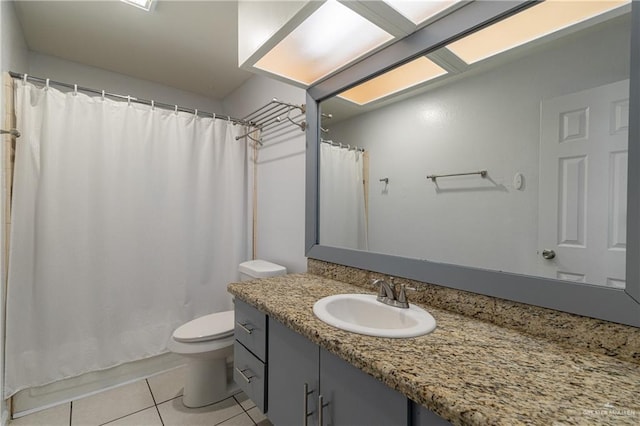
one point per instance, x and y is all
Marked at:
(342, 145)
(175, 108)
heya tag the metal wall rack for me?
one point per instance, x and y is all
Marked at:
(273, 118)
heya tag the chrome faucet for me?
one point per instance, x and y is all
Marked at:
(387, 294)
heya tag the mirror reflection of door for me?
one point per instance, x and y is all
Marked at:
(583, 185)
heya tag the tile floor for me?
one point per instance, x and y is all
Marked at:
(156, 401)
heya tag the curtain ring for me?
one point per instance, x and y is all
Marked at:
(195, 113)
(47, 85)
(129, 100)
(153, 105)
(176, 110)
(103, 95)
(214, 116)
(24, 78)
(75, 90)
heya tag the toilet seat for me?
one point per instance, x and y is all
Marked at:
(206, 328)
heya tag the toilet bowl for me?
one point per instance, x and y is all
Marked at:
(207, 342)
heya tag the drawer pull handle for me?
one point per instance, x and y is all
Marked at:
(306, 412)
(244, 376)
(244, 327)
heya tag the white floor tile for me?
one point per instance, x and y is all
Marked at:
(244, 400)
(148, 417)
(258, 416)
(239, 420)
(167, 385)
(112, 404)
(174, 413)
(55, 416)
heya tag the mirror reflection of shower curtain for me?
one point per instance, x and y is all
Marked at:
(343, 220)
(127, 222)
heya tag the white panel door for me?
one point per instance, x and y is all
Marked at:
(583, 185)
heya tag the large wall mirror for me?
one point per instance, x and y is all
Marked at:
(490, 152)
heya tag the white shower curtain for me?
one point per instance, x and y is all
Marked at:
(342, 211)
(127, 222)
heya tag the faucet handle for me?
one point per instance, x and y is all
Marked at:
(379, 283)
(392, 284)
(402, 296)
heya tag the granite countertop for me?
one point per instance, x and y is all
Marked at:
(469, 372)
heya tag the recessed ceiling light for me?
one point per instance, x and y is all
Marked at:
(420, 11)
(403, 77)
(140, 4)
(330, 38)
(531, 24)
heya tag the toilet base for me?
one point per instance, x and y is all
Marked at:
(207, 381)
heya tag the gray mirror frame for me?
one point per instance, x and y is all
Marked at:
(621, 306)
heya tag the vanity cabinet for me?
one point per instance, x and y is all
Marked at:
(287, 376)
(301, 375)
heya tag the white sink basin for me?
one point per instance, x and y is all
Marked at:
(363, 314)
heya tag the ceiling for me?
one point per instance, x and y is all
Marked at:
(189, 45)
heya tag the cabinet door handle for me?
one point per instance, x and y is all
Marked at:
(321, 406)
(244, 376)
(244, 327)
(306, 412)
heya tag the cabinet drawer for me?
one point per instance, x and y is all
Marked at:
(249, 373)
(251, 329)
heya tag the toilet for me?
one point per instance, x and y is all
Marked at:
(207, 342)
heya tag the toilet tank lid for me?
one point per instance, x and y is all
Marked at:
(261, 269)
(208, 327)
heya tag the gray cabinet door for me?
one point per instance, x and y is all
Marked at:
(293, 361)
(356, 399)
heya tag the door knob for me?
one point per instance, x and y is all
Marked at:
(548, 254)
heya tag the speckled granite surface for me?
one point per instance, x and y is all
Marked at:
(468, 371)
(573, 331)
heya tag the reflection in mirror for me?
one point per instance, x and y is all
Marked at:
(545, 116)
(342, 187)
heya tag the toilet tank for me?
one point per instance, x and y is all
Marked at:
(253, 269)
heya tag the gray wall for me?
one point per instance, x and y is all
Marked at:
(488, 120)
(14, 47)
(46, 66)
(280, 176)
